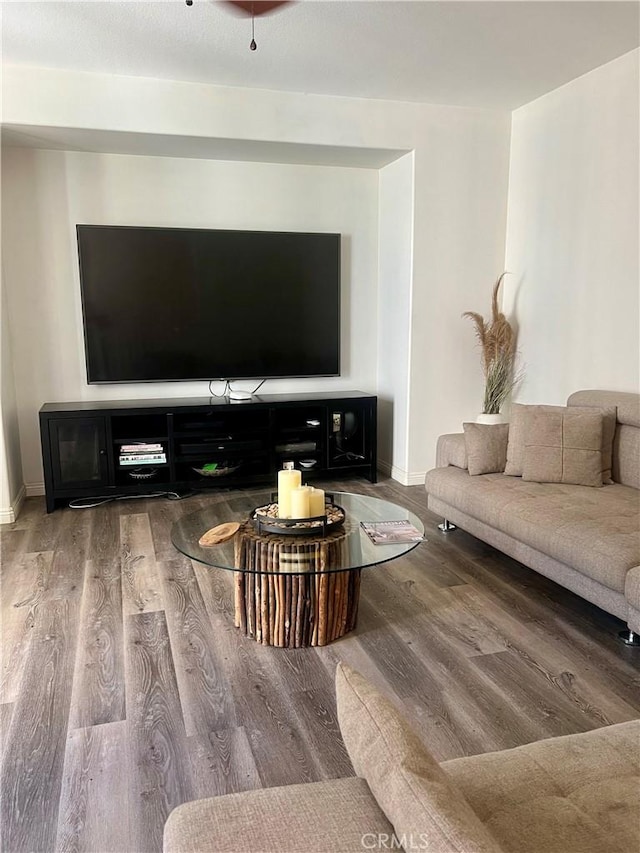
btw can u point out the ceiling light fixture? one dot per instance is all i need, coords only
(253, 45)
(255, 8)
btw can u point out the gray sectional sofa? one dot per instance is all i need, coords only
(571, 794)
(587, 539)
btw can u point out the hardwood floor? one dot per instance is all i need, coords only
(126, 689)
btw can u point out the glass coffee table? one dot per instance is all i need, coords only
(294, 591)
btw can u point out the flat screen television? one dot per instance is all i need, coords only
(163, 304)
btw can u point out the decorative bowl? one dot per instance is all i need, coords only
(307, 463)
(143, 473)
(266, 520)
(221, 471)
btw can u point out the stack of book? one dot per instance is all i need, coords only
(142, 454)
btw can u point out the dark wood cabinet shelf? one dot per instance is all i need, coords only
(218, 456)
(222, 436)
(143, 465)
(81, 441)
(148, 439)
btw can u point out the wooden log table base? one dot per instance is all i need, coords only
(306, 604)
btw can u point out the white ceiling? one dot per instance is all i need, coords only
(484, 54)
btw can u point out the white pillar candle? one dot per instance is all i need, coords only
(300, 502)
(316, 502)
(288, 480)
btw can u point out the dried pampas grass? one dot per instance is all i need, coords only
(498, 344)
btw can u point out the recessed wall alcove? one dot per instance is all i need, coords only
(407, 185)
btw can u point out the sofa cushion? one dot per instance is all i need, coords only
(626, 404)
(563, 447)
(593, 530)
(626, 446)
(573, 794)
(486, 446)
(626, 456)
(317, 817)
(518, 430)
(609, 424)
(407, 782)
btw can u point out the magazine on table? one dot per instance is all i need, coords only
(391, 532)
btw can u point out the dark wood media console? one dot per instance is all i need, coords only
(247, 440)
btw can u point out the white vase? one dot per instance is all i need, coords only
(490, 419)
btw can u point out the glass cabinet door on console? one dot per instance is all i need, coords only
(78, 452)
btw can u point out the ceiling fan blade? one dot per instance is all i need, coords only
(255, 8)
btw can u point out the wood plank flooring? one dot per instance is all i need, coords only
(126, 689)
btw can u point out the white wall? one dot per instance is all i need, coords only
(395, 267)
(572, 235)
(49, 192)
(459, 243)
(11, 477)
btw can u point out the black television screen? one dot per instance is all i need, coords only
(163, 304)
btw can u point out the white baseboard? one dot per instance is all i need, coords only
(416, 478)
(405, 478)
(34, 489)
(384, 468)
(9, 514)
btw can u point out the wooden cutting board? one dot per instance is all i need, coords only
(219, 533)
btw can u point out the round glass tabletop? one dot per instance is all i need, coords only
(250, 551)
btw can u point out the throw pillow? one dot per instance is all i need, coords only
(518, 426)
(411, 788)
(609, 421)
(486, 447)
(564, 447)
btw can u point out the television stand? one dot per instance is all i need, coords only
(204, 443)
